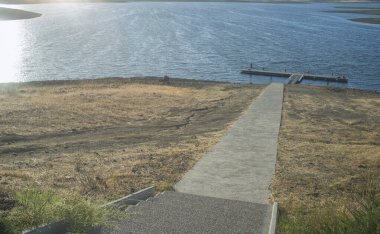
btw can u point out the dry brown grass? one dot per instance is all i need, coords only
(329, 143)
(111, 137)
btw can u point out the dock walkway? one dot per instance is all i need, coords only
(305, 76)
(295, 79)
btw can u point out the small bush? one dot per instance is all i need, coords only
(82, 215)
(33, 209)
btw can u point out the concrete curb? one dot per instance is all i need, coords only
(134, 198)
(273, 220)
(60, 226)
(56, 228)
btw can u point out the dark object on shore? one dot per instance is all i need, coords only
(165, 80)
(6, 201)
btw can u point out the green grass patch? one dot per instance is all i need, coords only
(34, 208)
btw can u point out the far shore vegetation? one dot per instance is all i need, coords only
(367, 20)
(361, 11)
(120, 1)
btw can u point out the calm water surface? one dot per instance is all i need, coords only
(212, 41)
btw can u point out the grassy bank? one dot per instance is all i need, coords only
(358, 214)
(110, 137)
(30, 208)
(328, 159)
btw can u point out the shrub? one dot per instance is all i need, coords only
(82, 215)
(33, 209)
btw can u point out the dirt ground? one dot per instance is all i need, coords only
(111, 137)
(329, 145)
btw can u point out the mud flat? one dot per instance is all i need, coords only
(111, 137)
(15, 14)
(361, 11)
(367, 20)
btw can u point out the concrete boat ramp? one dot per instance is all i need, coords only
(241, 166)
(227, 191)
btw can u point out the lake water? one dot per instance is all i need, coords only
(211, 41)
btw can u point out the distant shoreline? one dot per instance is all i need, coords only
(15, 14)
(367, 20)
(360, 10)
(241, 1)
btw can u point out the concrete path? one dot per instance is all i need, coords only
(173, 212)
(240, 167)
(227, 190)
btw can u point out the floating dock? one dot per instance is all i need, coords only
(294, 78)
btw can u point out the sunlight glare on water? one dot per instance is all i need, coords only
(10, 50)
